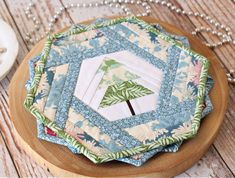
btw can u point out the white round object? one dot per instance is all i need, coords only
(9, 41)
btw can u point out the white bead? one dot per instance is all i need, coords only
(157, 1)
(219, 34)
(196, 14)
(224, 36)
(55, 17)
(90, 5)
(178, 11)
(120, 1)
(229, 39)
(183, 12)
(234, 42)
(84, 5)
(212, 21)
(214, 45)
(27, 38)
(36, 27)
(217, 24)
(208, 29)
(126, 9)
(144, 4)
(72, 5)
(50, 24)
(213, 32)
(173, 7)
(132, 1)
(144, 14)
(138, 2)
(26, 12)
(202, 15)
(147, 7)
(78, 5)
(202, 28)
(229, 33)
(31, 4)
(61, 8)
(148, 11)
(96, 4)
(208, 17)
(194, 33)
(168, 4)
(197, 30)
(58, 13)
(117, 5)
(224, 41)
(52, 20)
(66, 6)
(227, 29)
(126, 1)
(222, 26)
(163, 2)
(190, 13)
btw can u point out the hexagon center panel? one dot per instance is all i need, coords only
(118, 85)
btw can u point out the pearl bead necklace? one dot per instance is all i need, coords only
(225, 36)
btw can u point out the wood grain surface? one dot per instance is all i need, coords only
(219, 160)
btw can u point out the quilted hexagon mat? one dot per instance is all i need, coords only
(118, 89)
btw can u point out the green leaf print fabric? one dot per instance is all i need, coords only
(124, 91)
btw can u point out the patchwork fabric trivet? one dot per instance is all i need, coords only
(86, 76)
(46, 134)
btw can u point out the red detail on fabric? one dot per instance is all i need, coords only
(50, 132)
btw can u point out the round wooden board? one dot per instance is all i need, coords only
(62, 162)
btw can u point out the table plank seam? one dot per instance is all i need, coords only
(16, 167)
